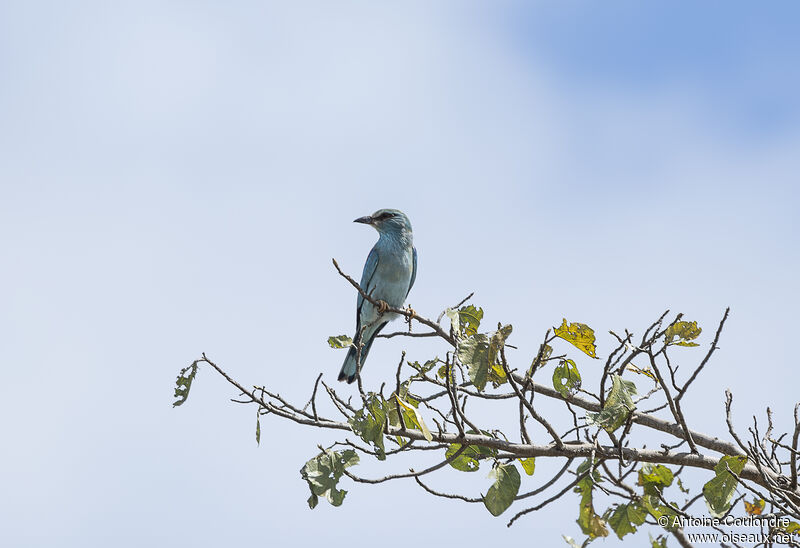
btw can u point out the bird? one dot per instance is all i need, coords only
(388, 276)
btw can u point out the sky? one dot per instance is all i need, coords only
(175, 178)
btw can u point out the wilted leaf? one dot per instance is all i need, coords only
(322, 473)
(473, 352)
(469, 459)
(626, 517)
(579, 334)
(369, 422)
(645, 372)
(497, 341)
(540, 359)
(258, 429)
(681, 333)
(719, 491)
(570, 541)
(755, 508)
(506, 486)
(455, 322)
(340, 341)
(529, 465)
(617, 407)
(184, 383)
(566, 378)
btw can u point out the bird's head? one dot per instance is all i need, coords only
(387, 221)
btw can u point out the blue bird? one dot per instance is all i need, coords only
(388, 276)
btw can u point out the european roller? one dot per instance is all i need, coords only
(388, 276)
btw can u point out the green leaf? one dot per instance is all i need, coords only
(473, 352)
(369, 423)
(442, 373)
(626, 517)
(681, 333)
(506, 486)
(340, 341)
(184, 383)
(719, 491)
(469, 319)
(659, 542)
(655, 474)
(529, 465)
(654, 478)
(322, 474)
(617, 407)
(579, 334)
(566, 378)
(469, 459)
(479, 353)
(681, 487)
(426, 367)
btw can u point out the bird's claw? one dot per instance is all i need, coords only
(383, 306)
(410, 316)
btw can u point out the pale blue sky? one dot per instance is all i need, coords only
(175, 177)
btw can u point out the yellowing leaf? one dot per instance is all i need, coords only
(579, 334)
(755, 508)
(681, 333)
(422, 426)
(340, 341)
(645, 372)
(470, 319)
(529, 465)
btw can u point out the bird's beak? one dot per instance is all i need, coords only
(365, 220)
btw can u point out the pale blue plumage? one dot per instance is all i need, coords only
(389, 274)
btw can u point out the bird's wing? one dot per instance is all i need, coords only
(370, 267)
(413, 271)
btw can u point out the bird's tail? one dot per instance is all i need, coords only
(349, 367)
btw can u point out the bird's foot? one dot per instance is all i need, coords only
(383, 306)
(410, 316)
